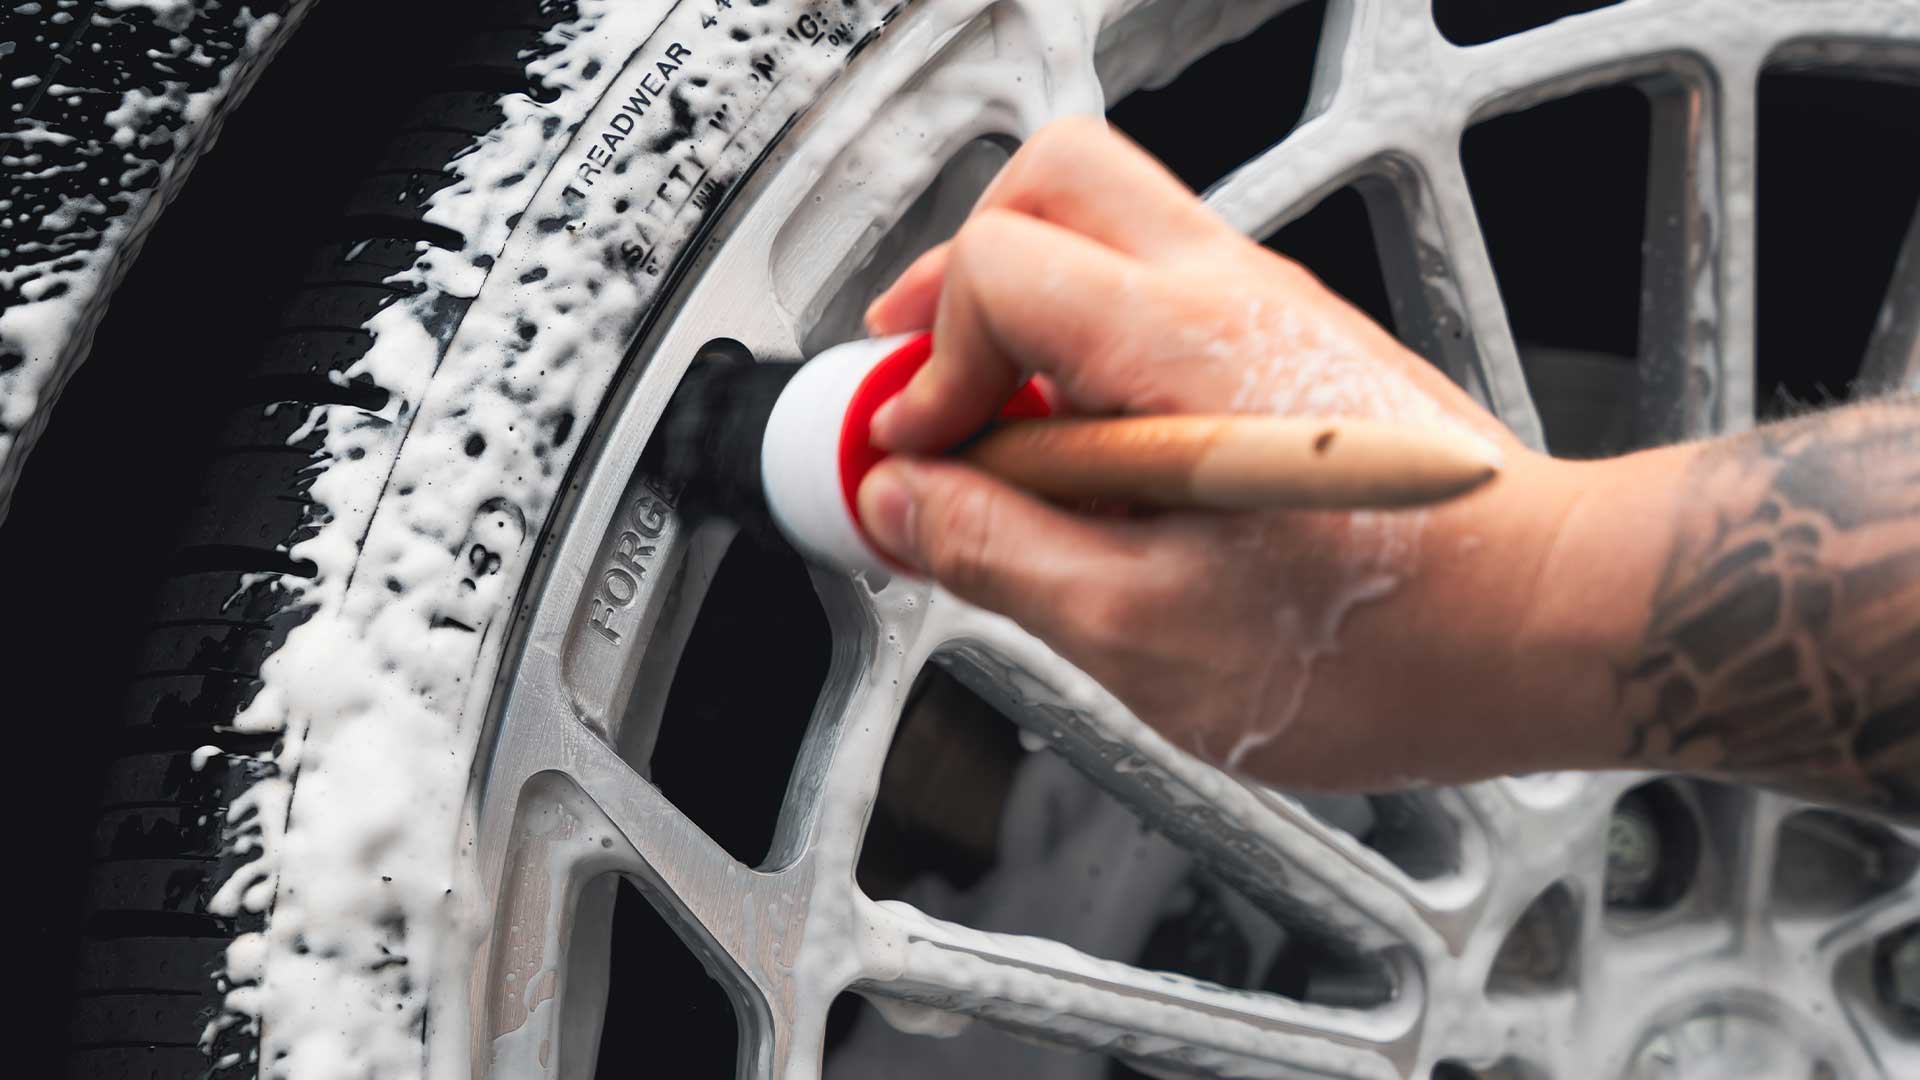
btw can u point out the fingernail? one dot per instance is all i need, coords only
(872, 318)
(880, 428)
(887, 507)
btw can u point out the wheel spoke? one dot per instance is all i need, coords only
(709, 897)
(1892, 363)
(581, 1000)
(680, 866)
(1150, 43)
(1833, 961)
(1272, 189)
(1044, 989)
(1309, 875)
(1862, 927)
(748, 924)
(1441, 281)
(1640, 38)
(1733, 255)
(837, 774)
(1610, 45)
(1753, 820)
(546, 962)
(1679, 305)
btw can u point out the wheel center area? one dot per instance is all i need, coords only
(1729, 1041)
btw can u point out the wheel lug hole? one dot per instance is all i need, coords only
(1653, 849)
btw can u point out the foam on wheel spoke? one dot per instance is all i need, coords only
(1680, 309)
(863, 1043)
(973, 829)
(1310, 876)
(1455, 273)
(1732, 254)
(1052, 992)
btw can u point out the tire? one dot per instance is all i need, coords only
(109, 110)
(172, 826)
(146, 977)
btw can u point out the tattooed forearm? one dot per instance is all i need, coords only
(1784, 642)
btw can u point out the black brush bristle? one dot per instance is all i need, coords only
(707, 445)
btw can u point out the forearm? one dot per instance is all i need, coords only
(1747, 608)
(1776, 627)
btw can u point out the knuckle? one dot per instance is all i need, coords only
(968, 249)
(1095, 616)
(982, 235)
(979, 252)
(1110, 617)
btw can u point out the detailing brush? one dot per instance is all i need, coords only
(789, 444)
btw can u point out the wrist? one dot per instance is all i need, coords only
(1522, 603)
(1599, 554)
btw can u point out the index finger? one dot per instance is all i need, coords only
(1021, 297)
(1085, 178)
(1082, 175)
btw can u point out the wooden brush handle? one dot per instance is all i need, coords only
(1235, 462)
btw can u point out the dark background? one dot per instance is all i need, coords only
(1560, 190)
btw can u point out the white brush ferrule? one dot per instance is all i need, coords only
(813, 438)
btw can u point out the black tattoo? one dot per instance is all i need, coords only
(1784, 643)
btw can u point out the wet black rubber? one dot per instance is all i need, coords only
(160, 840)
(67, 67)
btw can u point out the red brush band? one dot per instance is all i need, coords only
(891, 375)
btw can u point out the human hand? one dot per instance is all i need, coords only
(1331, 650)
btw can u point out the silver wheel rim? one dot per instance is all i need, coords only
(562, 801)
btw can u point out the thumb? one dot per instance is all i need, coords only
(986, 542)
